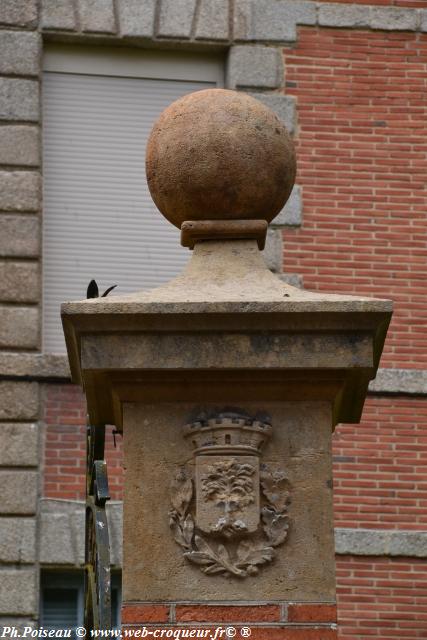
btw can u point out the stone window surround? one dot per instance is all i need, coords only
(256, 69)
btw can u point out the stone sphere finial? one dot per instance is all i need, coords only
(219, 155)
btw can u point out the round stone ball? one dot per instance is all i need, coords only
(219, 155)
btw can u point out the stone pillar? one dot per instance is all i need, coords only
(226, 383)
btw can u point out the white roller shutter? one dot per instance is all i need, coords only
(98, 218)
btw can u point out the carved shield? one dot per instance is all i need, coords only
(227, 494)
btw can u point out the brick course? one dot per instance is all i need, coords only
(284, 620)
(381, 598)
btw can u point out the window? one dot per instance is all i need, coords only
(99, 222)
(62, 600)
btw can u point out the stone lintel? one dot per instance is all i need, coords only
(254, 21)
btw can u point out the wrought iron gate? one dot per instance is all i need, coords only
(97, 544)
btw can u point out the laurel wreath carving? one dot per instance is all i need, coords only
(248, 554)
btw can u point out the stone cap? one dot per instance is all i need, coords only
(240, 322)
(216, 157)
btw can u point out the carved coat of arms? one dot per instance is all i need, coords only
(232, 514)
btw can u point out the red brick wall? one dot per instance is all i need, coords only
(279, 621)
(380, 466)
(362, 162)
(65, 446)
(381, 598)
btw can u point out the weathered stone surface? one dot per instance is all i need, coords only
(176, 18)
(115, 527)
(18, 592)
(304, 11)
(136, 17)
(408, 543)
(62, 532)
(255, 67)
(394, 19)
(19, 281)
(291, 214)
(235, 350)
(19, 235)
(20, 145)
(97, 16)
(20, 190)
(379, 542)
(303, 567)
(294, 279)
(18, 13)
(57, 537)
(20, 444)
(18, 400)
(58, 14)
(283, 106)
(338, 15)
(423, 17)
(213, 20)
(271, 20)
(36, 365)
(18, 540)
(400, 381)
(19, 99)
(20, 52)
(273, 252)
(19, 493)
(19, 327)
(255, 186)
